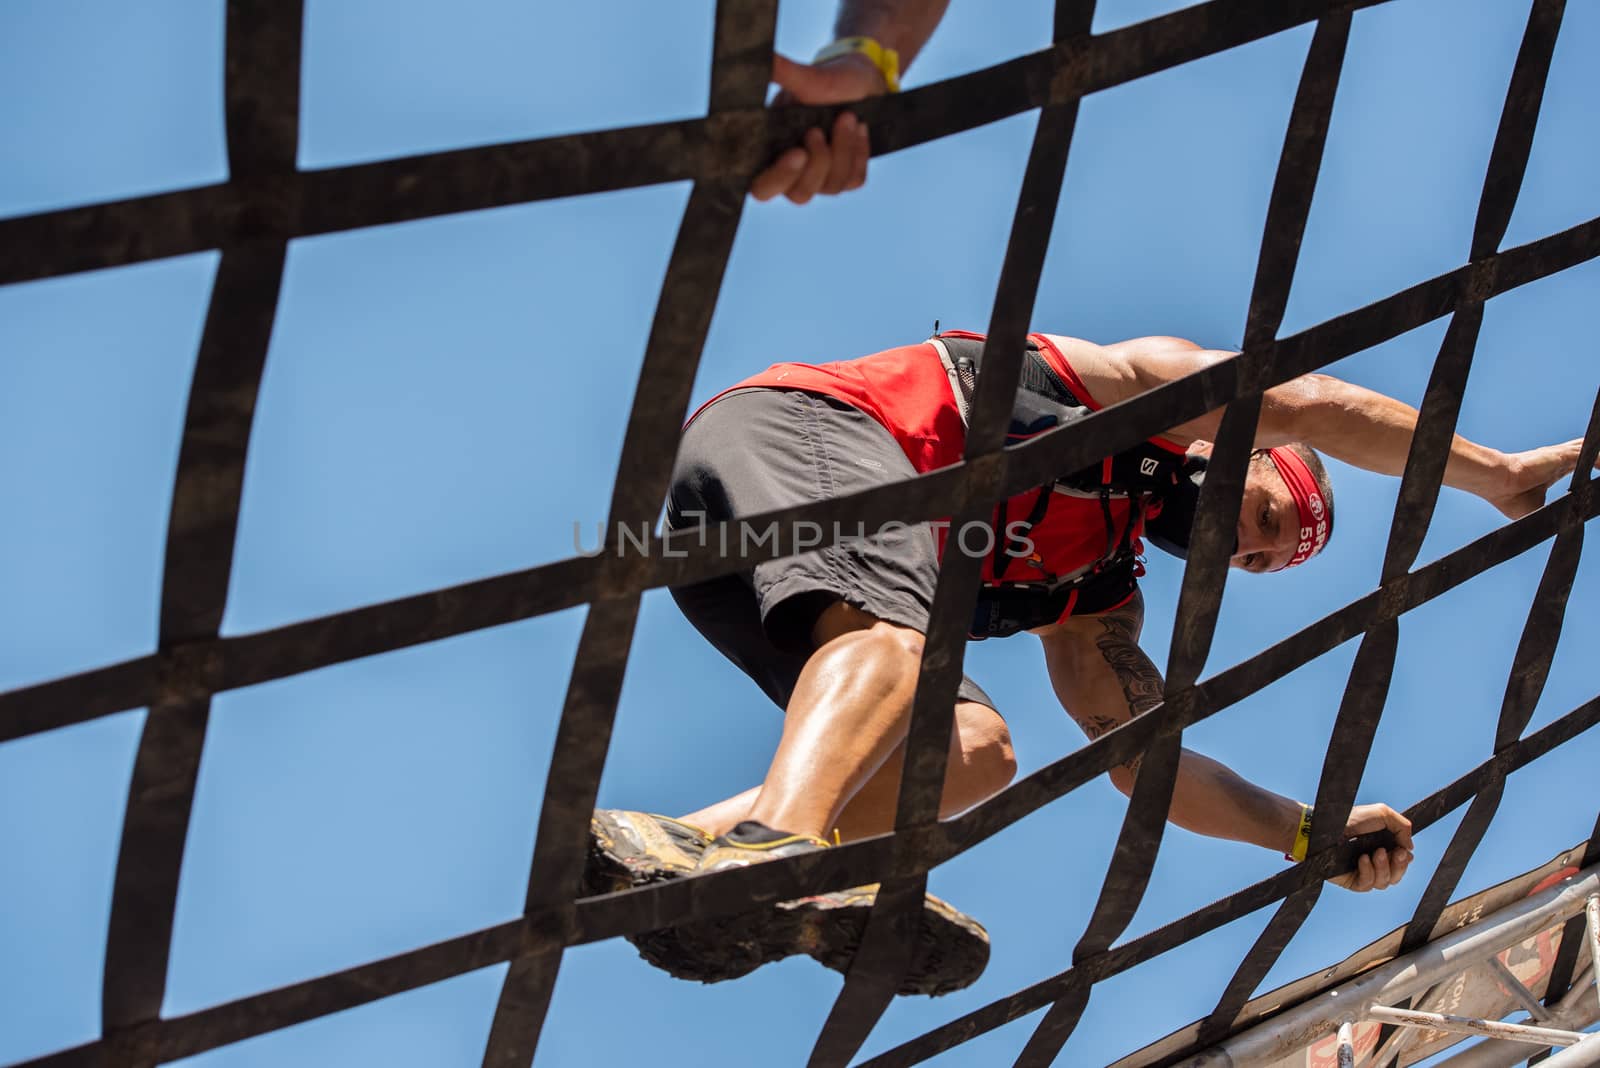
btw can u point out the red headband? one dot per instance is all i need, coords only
(1315, 522)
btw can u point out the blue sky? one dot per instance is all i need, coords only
(445, 399)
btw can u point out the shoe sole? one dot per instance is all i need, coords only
(951, 950)
(632, 849)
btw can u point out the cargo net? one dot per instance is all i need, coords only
(267, 203)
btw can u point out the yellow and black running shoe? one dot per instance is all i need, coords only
(753, 843)
(952, 948)
(629, 849)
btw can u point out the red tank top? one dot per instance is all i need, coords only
(907, 390)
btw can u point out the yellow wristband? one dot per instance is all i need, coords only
(1302, 836)
(887, 60)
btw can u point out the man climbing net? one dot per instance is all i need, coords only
(834, 636)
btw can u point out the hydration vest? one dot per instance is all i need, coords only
(1159, 485)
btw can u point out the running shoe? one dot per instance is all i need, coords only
(951, 952)
(629, 849)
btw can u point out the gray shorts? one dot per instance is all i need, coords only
(758, 450)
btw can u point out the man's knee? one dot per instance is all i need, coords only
(885, 638)
(986, 745)
(888, 653)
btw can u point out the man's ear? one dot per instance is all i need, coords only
(1199, 448)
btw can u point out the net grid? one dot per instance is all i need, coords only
(267, 202)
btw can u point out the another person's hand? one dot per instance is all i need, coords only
(1382, 868)
(1529, 476)
(822, 164)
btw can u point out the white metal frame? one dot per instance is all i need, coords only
(1370, 996)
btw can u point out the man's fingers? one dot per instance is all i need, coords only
(1562, 461)
(818, 166)
(1364, 875)
(1381, 872)
(780, 177)
(1378, 870)
(1365, 819)
(1400, 826)
(858, 175)
(844, 150)
(821, 165)
(815, 172)
(1576, 445)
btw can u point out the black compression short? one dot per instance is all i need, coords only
(758, 450)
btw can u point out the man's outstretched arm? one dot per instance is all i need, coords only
(1360, 426)
(1103, 679)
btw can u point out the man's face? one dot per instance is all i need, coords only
(1269, 529)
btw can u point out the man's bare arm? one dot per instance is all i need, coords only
(1103, 679)
(903, 25)
(1357, 425)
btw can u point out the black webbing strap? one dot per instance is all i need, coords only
(267, 203)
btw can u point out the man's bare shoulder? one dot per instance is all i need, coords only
(1159, 359)
(1107, 375)
(1124, 369)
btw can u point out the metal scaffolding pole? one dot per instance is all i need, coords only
(1585, 1054)
(1576, 1011)
(1468, 1025)
(1591, 909)
(1347, 1045)
(1407, 975)
(1522, 994)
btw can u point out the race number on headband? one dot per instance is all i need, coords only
(1315, 523)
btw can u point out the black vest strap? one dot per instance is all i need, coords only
(1007, 548)
(1144, 474)
(1043, 402)
(1006, 608)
